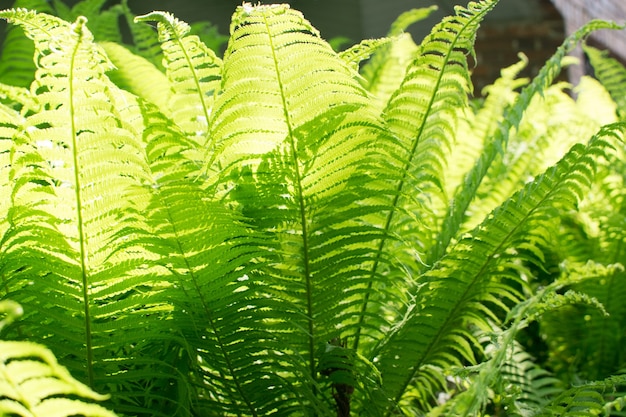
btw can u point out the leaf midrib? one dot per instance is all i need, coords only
(79, 212)
(301, 204)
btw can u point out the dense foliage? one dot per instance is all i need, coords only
(289, 230)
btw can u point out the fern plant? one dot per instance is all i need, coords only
(284, 231)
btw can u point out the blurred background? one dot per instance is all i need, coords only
(534, 27)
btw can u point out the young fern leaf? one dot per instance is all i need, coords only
(511, 119)
(194, 72)
(611, 74)
(421, 114)
(478, 274)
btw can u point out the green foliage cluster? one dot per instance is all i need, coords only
(293, 231)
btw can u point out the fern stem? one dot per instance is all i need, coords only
(301, 207)
(79, 214)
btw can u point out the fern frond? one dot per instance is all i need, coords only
(16, 60)
(33, 384)
(424, 119)
(586, 399)
(476, 128)
(552, 123)
(383, 74)
(510, 379)
(222, 311)
(293, 131)
(511, 119)
(81, 172)
(421, 115)
(194, 72)
(611, 74)
(479, 272)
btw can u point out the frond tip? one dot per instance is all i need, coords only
(32, 383)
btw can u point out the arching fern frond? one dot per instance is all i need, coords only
(69, 260)
(509, 378)
(588, 399)
(511, 119)
(479, 272)
(421, 115)
(208, 250)
(611, 73)
(194, 72)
